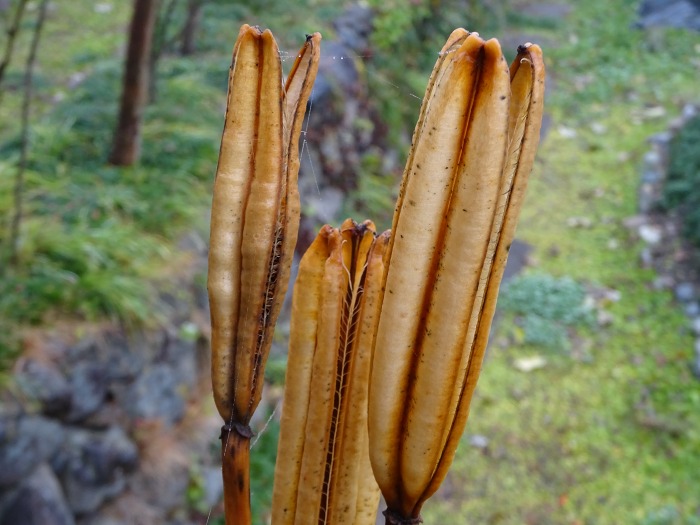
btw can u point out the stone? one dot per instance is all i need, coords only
(155, 395)
(181, 353)
(695, 325)
(605, 318)
(126, 509)
(579, 222)
(327, 204)
(684, 292)
(663, 138)
(479, 441)
(111, 351)
(566, 132)
(646, 257)
(695, 363)
(692, 309)
(528, 364)
(25, 441)
(662, 282)
(650, 233)
(44, 384)
(518, 259)
(92, 466)
(684, 14)
(38, 501)
(213, 485)
(89, 389)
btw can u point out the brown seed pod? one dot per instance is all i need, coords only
(323, 473)
(461, 193)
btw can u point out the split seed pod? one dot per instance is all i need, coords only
(473, 150)
(323, 474)
(255, 214)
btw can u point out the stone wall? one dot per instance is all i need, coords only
(674, 260)
(106, 428)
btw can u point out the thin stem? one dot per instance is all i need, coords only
(24, 141)
(235, 460)
(12, 32)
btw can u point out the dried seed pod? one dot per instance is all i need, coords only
(254, 225)
(255, 213)
(322, 473)
(454, 221)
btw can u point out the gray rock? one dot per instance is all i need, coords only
(38, 501)
(605, 318)
(155, 395)
(695, 363)
(663, 138)
(163, 481)
(89, 385)
(684, 292)
(181, 354)
(213, 485)
(650, 234)
(112, 352)
(518, 256)
(44, 384)
(662, 282)
(692, 309)
(92, 467)
(479, 441)
(684, 14)
(25, 441)
(695, 325)
(646, 257)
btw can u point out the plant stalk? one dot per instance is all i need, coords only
(235, 461)
(394, 518)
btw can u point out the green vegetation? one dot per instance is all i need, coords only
(682, 188)
(546, 307)
(613, 438)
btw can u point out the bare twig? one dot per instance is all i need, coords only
(11, 36)
(160, 44)
(194, 14)
(24, 139)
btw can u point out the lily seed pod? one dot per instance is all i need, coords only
(323, 474)
(254, 224)
(473, 150)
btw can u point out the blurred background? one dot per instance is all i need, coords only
(588, 409)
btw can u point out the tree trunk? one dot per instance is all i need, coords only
(127, 138)
(189, 30)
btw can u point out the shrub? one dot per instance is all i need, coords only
(682, 188)
(546, 308)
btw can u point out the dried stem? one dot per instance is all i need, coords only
(235, 460)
